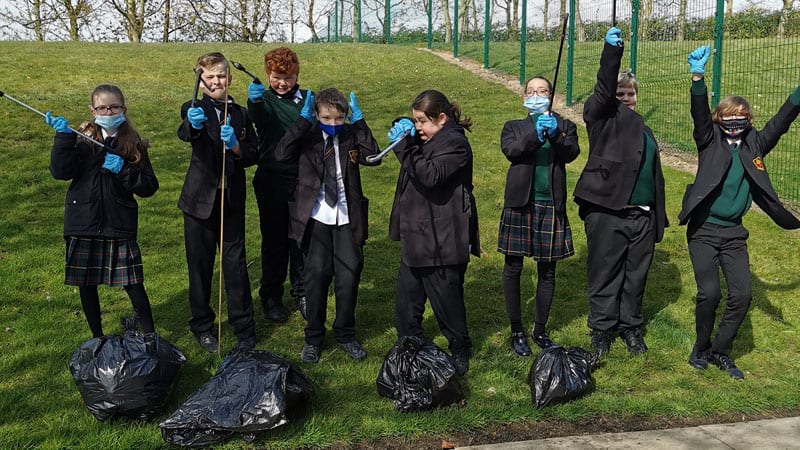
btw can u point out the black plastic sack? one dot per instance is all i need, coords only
(252, 391)
(417, 375)
(125, 376)
(559, 375)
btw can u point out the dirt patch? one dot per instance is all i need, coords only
(677, 160)
(524, 431)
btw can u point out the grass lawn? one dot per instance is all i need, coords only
(41, 322)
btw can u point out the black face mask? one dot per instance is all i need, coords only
(735, 127)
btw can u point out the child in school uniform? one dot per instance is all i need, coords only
(100, 212)
(621, 199)
(273, 109)
(329, 211)
(435, 219)
(214, 135)
(731, 174)
(534, 221)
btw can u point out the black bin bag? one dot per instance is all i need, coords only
(252, 391)
(417, 375)
(126, 376)
(559, 375)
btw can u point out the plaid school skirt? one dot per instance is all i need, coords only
(535, 231)
(115, 262)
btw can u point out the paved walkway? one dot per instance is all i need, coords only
(761, 434)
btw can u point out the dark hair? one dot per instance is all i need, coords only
(549, 84)
(331, 97)
(282, 60)
(130, 145)
(433, 103)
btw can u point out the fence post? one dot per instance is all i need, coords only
(487, 28)
(719, 30)
(455, 29)
(430, 24)
(336, 20)
(358, 18)
(570, 51)
(634, 34)
(523, 38)
(329, 30)
(388, 21)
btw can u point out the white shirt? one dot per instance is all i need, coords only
(336, 214)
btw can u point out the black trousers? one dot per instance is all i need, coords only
(620, 246)
(277, 249)
(201, 240)
(444, 286)
(331, 254)
(711, 248)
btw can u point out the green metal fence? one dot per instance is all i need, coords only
(756, 55)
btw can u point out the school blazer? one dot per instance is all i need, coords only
(205, 166)
(714, 160)
(99, 203)
(616, 148)
(519, 144)
(303, 143)
(434, 214)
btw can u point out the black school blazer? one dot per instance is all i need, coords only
(714, 160)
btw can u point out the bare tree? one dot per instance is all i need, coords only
(165, 25)
(580, 33)
(681, 21)
(29, 15)
(785, 11)
(545, 13)
(134, 15)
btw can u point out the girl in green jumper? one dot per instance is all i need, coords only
(730, 175)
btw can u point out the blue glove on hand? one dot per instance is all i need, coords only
(255, 91)
(113, 163)
(614, 37)
(308, 107)
(196, 117)
(228, 136)
(698, 59)
(400, 128)
(355, 111)
(58, 123)
(546, 123)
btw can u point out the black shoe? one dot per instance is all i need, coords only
(310, 353)
(634, 340)
(601, 341)
(354, 349)
(699, 360)
(461, 361)
(208, 342)
(301, 306)
(273, 310)
(246, 344)
(542, 340)
(724, 362)
(519, 343)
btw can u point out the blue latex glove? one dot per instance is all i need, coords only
(113, 163)
(308, 107)
(228, 135)
(255, 91)
(400, 128)
(58, 123)
(614, 37)
(355, 111)
(698, 59)
(196, 117)
(546, 123)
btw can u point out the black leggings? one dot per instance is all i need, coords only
(545, 287)
(90, 301)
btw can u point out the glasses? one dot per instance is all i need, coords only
(113, 109)
(540, 92)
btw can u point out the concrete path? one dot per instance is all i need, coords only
(772, 434)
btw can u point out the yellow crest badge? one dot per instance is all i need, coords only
(353, 156)
(758, 163)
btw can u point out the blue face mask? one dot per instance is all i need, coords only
(110, 123)
(537, 105)
(331, 130)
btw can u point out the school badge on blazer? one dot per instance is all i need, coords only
(354, 156)
(758, 163)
